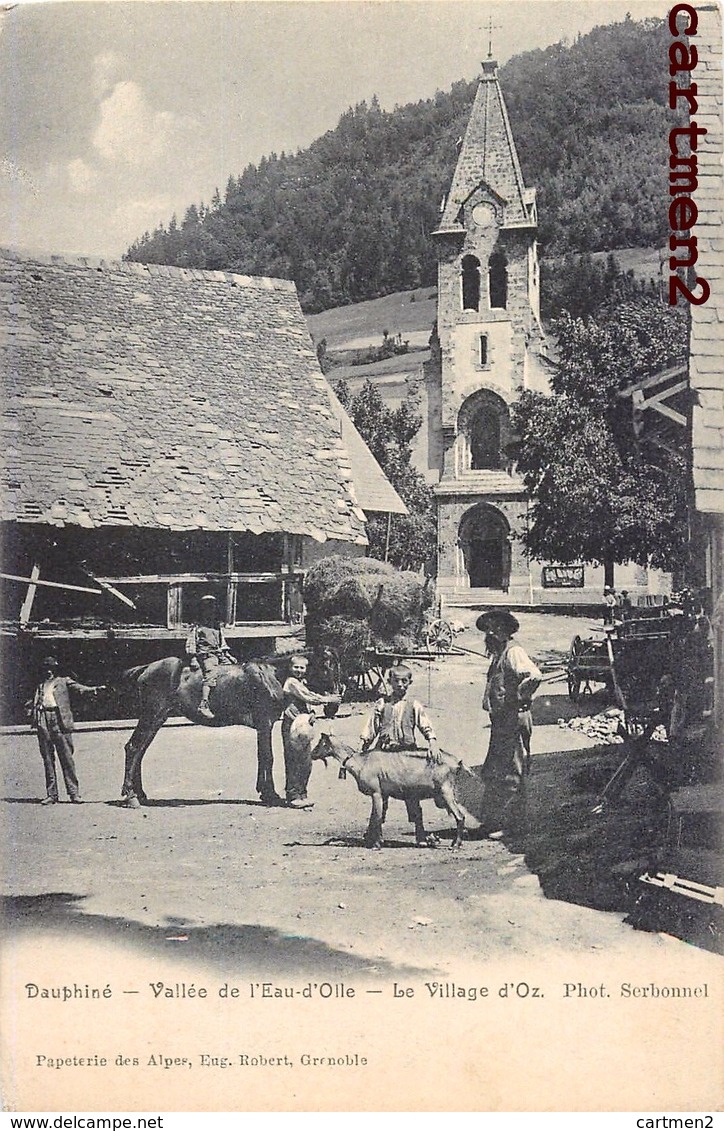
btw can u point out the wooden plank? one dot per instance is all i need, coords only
(173, 606)
(230, 603)
(51, 584)
(110, 589)
(186, 578)
(653, 380)
(664, 410)
(30, 595)
(666, 393)
(250, 630)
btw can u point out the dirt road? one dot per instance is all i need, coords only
(205, 854)
(205, 883)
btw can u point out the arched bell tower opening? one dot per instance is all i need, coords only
(498, 280)
(470, 282)
(484, 540)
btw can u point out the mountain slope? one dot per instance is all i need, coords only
(350, 217)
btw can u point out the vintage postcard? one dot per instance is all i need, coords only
(362, 557)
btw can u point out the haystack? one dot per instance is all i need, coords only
(356, 604)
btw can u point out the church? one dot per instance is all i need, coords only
(488, 346)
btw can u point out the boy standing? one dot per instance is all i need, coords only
(396, 720)
(297, 736)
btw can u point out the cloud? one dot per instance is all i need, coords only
(82, 177)
(131, 132)
(107, 69)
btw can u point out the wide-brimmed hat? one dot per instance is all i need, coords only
(50, 662)
(497, 620)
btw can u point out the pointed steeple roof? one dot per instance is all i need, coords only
(488, 156)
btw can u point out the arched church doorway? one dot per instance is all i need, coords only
(485, 544)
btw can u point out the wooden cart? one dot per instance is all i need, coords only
(588, 662)
(370, 676)
(661, 675)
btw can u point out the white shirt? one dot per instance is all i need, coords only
(49, 701)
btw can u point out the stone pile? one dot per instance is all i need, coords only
(606, 729)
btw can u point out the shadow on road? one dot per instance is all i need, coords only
(258, 951)
(596, 860)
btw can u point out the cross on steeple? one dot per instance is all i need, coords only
(490, 29)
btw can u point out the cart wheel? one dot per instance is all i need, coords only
(574, 681)
(439, 636)
(371, 680)
(576, 648)
(378, 682)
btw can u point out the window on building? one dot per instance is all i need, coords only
(483, 349)
(498, 280)
(485, 440)
(471, 283)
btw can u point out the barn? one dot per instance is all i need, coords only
(167, 433)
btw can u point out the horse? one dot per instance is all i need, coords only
(248, 695)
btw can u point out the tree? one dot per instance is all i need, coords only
(389, 434)
(350, 217)
(580, 285)
(600, 494)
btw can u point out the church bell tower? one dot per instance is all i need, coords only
(489, 348)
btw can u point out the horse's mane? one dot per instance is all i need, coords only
(267, 677)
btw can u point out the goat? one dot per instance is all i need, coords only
(405, 775)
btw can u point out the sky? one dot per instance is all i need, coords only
(116, 115)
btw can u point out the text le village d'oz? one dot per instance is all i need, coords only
(166, 992)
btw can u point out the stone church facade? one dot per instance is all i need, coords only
(489, 345)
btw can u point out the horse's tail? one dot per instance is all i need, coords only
(265, 675)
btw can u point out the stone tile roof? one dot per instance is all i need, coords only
(374, 490)
(488, 156)
(154, 396)
(706, 366)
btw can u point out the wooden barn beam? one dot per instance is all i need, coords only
(27, 604)
(51, 584)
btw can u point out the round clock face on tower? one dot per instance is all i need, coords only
(483, 215)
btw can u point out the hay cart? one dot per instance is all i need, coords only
(370, 675)
(366, 615)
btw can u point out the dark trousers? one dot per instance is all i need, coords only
(297, 763)
(53, 740)
(506, 767)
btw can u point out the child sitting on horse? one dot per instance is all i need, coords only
(207, 648)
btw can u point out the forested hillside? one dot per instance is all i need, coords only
(350, 217)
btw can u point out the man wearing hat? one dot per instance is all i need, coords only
(53, 722)
(207, 648)
(512, 681)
